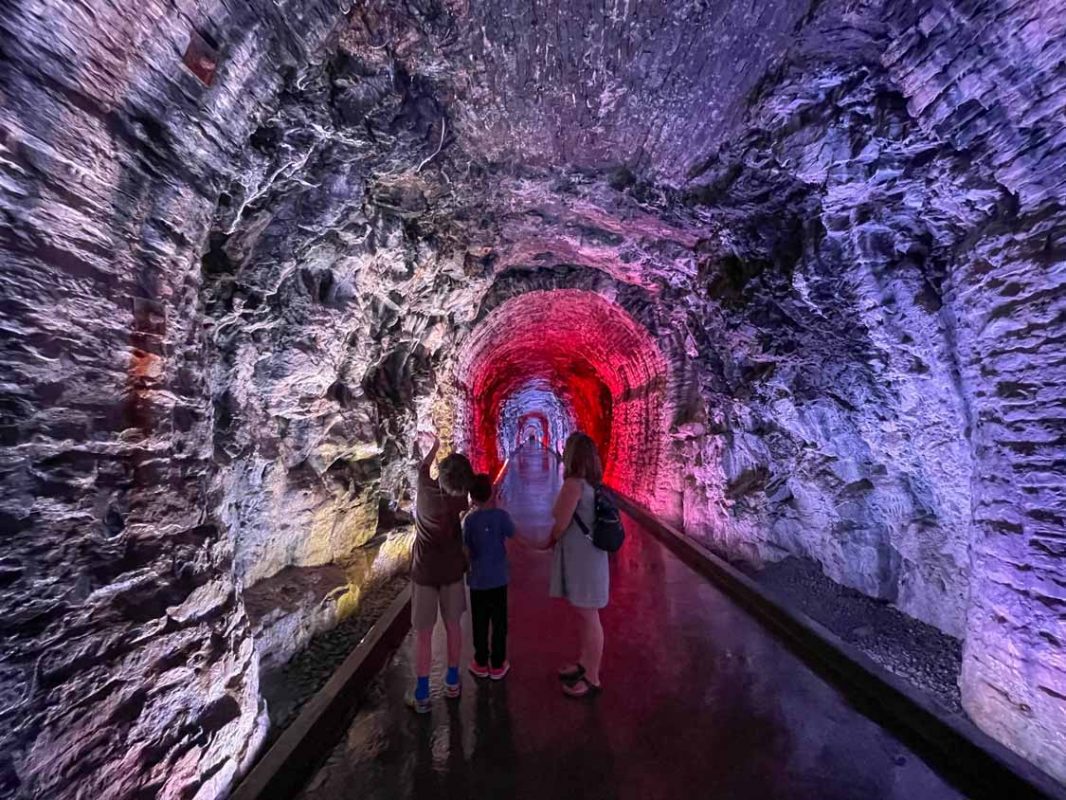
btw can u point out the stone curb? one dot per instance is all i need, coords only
(288, 763)
(969, 758)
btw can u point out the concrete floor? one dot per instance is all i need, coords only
(699, 701)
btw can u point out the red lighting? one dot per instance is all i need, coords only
(201, 57)
(602, 364)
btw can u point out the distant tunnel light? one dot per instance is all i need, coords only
(534, 427)
(532, 407)
(201, 57)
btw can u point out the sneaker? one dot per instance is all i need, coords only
(477, 670)
(416, 705)
(500, 672)
(453, 690)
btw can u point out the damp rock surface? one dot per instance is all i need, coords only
(128, 665)
(288, 686)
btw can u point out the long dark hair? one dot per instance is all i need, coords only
(581, 459)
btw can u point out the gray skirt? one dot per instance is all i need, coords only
(580, 570)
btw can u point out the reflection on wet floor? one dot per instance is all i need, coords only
(699, 700)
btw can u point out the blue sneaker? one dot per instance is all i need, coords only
(417, 705)
(452, 683)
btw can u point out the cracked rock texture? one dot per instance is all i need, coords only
(128, 666)
(799, 267)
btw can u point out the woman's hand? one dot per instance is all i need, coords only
(533, 544)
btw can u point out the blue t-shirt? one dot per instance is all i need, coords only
(484, 531)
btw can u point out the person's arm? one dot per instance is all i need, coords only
(466, 539)
(565, 506)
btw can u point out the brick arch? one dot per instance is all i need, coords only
(603, 364)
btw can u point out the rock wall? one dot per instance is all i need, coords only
(837, 423)
(332, 281)
(891, 307)
(127, 667)
(985, 80)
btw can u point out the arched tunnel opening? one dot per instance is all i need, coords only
(534, 428)
(570, 360)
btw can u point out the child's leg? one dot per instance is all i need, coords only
(423, 652)
(499, 626)
(424, 601)
(455, 644)
(452, 606)
(591, 642)
(480, 615)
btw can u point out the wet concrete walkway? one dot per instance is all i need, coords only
(699, 701)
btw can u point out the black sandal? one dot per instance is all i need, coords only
(582, 687)
(575, 673)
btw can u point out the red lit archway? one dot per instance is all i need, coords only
(604, 367)
(534, 423)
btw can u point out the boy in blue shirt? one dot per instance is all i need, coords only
(485, 530)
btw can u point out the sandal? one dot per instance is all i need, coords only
(571, 672)
(582, 687)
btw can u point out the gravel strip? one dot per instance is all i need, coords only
(929, 659)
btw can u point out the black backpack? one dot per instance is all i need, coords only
(607, 532)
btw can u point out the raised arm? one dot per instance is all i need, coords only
(565, 506)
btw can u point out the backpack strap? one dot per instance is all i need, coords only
(580, 522)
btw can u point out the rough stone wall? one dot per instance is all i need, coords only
(127, 667)
(333, 279)
(836, 426)
(1011, 298)
(550, 83)
(985, 79)
(879, 353)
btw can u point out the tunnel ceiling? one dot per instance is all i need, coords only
(810, 252)
(591, 86)
(520, 134)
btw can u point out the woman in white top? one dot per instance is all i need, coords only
(580, 571)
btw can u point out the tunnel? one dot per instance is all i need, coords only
(533, 428)
(795, 266)
(571, 360)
